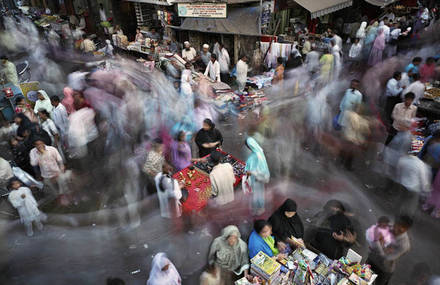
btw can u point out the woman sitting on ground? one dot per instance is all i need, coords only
(287, 225)
(261, 239)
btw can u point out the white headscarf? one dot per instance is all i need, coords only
(43, 104)
(360, 34)
(159, 277)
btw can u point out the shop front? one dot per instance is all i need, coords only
(238, 30)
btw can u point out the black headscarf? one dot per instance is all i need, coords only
(204, 136)
(284, 227)
(25, 124)
(324, 240)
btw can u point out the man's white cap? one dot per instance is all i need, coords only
(206, 46)
(186, 43)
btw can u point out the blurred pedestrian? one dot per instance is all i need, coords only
(222, 180)
(384, 259)
(169, 193)
(163, 271)
(257, 175)
(22, 199)
(378, 48)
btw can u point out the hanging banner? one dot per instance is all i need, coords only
(202, 10)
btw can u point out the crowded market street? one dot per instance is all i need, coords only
(186, 143)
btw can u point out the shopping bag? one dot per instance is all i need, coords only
(245, 185)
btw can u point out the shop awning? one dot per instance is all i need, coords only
(380, 3)
(319, 8)
(239, 21)
(156, 2)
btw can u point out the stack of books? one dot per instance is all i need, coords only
(266, 268)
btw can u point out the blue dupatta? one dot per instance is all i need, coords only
(257, 244)
(256, 163)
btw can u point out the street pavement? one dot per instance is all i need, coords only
(88, 252)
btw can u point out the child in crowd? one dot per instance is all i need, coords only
(381, 231)
(22, 199)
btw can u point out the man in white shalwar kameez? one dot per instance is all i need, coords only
(242, 70)
(222, 180)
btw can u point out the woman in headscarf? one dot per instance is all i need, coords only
(230, 254)
(68, 100)
(23, 123)
(261, 239)
(43, 102)
(369, 39)
(361, 33)
(208, 138)
(286, 224)
(257, 174)
(334, 241)
(377, 50)
(180, 152)
(163, 271)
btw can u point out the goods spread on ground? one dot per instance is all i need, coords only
(303, 266)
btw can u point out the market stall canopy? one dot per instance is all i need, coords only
(319, 8)
(381, 3)
(239, 21)
(156, 2)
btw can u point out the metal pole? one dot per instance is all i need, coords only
(261, 15)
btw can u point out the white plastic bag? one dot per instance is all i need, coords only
(26, 178)
(245, 185)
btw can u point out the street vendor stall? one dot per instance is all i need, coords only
(197, 183)
(8, 94)
(306, 267)
(429, 106)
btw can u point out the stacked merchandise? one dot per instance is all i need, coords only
(260, 81)
(266, 268)
(249, 101)
(199, 188)
(304, 267)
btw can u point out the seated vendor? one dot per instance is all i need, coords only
(333, 242)
(139, 37)
(286, 224)
(261, 239)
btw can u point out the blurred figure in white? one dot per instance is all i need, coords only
(22, 199)
(222, 180)
(312, 61)
(224, 61)
(415, 177)
(163, 271)
(417, 87)
(9, 71)
(5, 173)
(242, 70)
(169, 193)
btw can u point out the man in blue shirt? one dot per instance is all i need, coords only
(414, 65)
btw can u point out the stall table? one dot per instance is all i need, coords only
(7, 105)
(196, 180)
